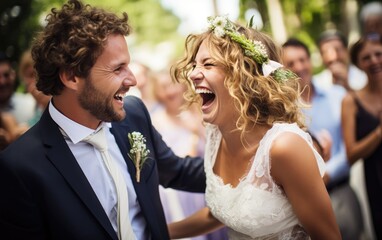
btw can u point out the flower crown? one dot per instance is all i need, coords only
(222, 26)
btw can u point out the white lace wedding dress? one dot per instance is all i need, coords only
(257, 207)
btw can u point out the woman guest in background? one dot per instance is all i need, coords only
(362, 123)
(250, 104)
(28, 76)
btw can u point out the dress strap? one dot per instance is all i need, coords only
(361, 110)
(356, 99)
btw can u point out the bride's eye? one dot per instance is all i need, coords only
(209, 64)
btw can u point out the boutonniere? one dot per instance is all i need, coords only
(138, 152)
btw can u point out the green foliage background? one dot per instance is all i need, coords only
(153, 24)
(150, 22)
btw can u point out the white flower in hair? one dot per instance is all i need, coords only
(218, 25)
(260, 48)
(219, 32)
(220, 21)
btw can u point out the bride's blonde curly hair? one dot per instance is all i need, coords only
(259, 99)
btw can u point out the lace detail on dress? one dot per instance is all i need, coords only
(294, 233)
(256, 208)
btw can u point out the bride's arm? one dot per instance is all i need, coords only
(199, 223)
(295, 169)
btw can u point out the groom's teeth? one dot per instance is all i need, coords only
(119, 97)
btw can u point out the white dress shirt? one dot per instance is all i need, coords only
(91, 163)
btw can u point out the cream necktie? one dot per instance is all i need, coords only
(125, 231)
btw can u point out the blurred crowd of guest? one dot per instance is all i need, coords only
(19, 109)
(344, 115)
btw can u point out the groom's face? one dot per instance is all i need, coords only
(108, 82)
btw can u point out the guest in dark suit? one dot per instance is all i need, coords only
(54, 185)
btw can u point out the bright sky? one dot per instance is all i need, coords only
(194, 13)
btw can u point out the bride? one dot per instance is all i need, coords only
(264, 177)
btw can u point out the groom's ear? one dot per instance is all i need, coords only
(70, 80)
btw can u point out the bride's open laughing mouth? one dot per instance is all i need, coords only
(207, 96)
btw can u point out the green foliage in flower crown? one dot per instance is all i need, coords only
(282, 74)
(250, 23)
(251, 49)
(222, 26)
(255, 49)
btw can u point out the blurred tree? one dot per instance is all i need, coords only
(12, 16)
(20, 19)
(306, 19)
(152, 24)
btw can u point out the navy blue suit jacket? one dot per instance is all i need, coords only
(45, 194)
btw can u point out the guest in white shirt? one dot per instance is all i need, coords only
(336, 60)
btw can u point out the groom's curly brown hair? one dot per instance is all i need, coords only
(72, 40)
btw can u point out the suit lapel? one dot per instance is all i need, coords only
(142, 189)
(120, 131)
(62, 158)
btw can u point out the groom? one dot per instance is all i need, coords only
(54, 184)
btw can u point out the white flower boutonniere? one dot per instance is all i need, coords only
(138, 152)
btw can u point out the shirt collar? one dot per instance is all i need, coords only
(75, 131)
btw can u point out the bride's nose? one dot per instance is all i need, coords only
(196, 74)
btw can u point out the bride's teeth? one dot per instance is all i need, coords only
(202, 90)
